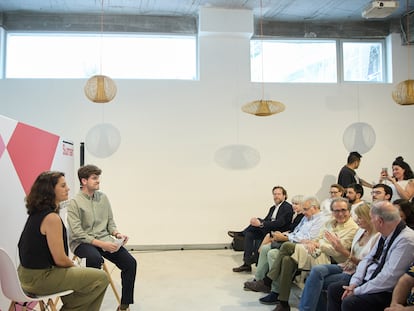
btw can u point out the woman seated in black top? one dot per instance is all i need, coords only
(45, 267)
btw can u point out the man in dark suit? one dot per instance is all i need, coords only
(278, 218)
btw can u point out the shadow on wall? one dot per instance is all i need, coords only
(237, 157)
(323, 191)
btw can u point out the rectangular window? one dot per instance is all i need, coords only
(363, 61)
(317, 61)
(61, 55)
(293, 61)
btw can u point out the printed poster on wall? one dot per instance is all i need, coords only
(25, 152)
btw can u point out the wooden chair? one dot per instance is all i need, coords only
(12, 289)
(111, 282)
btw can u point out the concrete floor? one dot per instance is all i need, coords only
(200, 280)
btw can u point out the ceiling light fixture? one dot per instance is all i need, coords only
(100, 88)
(263, 107)
(403, 93)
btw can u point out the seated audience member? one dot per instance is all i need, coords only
(276, 237)
(403, 294)
(297, 206)
(354, 194)
(381, 192)
(347, 174)
(401, 181)
(321, 276)
(341, 228)
(93, 232)
(45, 267)
(278, 218)
(406, 209)
(335, 191)
(308, 228)
(370, 287)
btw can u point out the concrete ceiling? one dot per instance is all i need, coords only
(325, 15)
(275, 10)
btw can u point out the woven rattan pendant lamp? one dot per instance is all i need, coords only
(403, 93)
(263, 107)
(100, 88)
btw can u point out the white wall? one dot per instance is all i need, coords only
(163, 183)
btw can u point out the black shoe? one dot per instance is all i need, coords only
(257, 286)
(280, 307)
(270, 299)
(233, 233)
(243, 268)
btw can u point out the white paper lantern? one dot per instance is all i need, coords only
(359, 137)
(103, 140)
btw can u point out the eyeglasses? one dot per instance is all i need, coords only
(337, 211)
(376, 192)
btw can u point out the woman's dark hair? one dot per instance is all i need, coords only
(408, 210)
(408, 172)
(42, 193)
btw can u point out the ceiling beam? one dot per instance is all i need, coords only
(343, 30)
(48, 22)
(93, 22)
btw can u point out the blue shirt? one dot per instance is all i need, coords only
(307, 229)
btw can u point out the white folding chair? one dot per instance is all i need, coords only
(12, 289)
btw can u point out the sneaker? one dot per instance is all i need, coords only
(270, 299)
(257, 286)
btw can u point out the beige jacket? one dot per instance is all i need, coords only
(345, 232)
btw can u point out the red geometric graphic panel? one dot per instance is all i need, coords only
(31, 151)
(2, 146)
